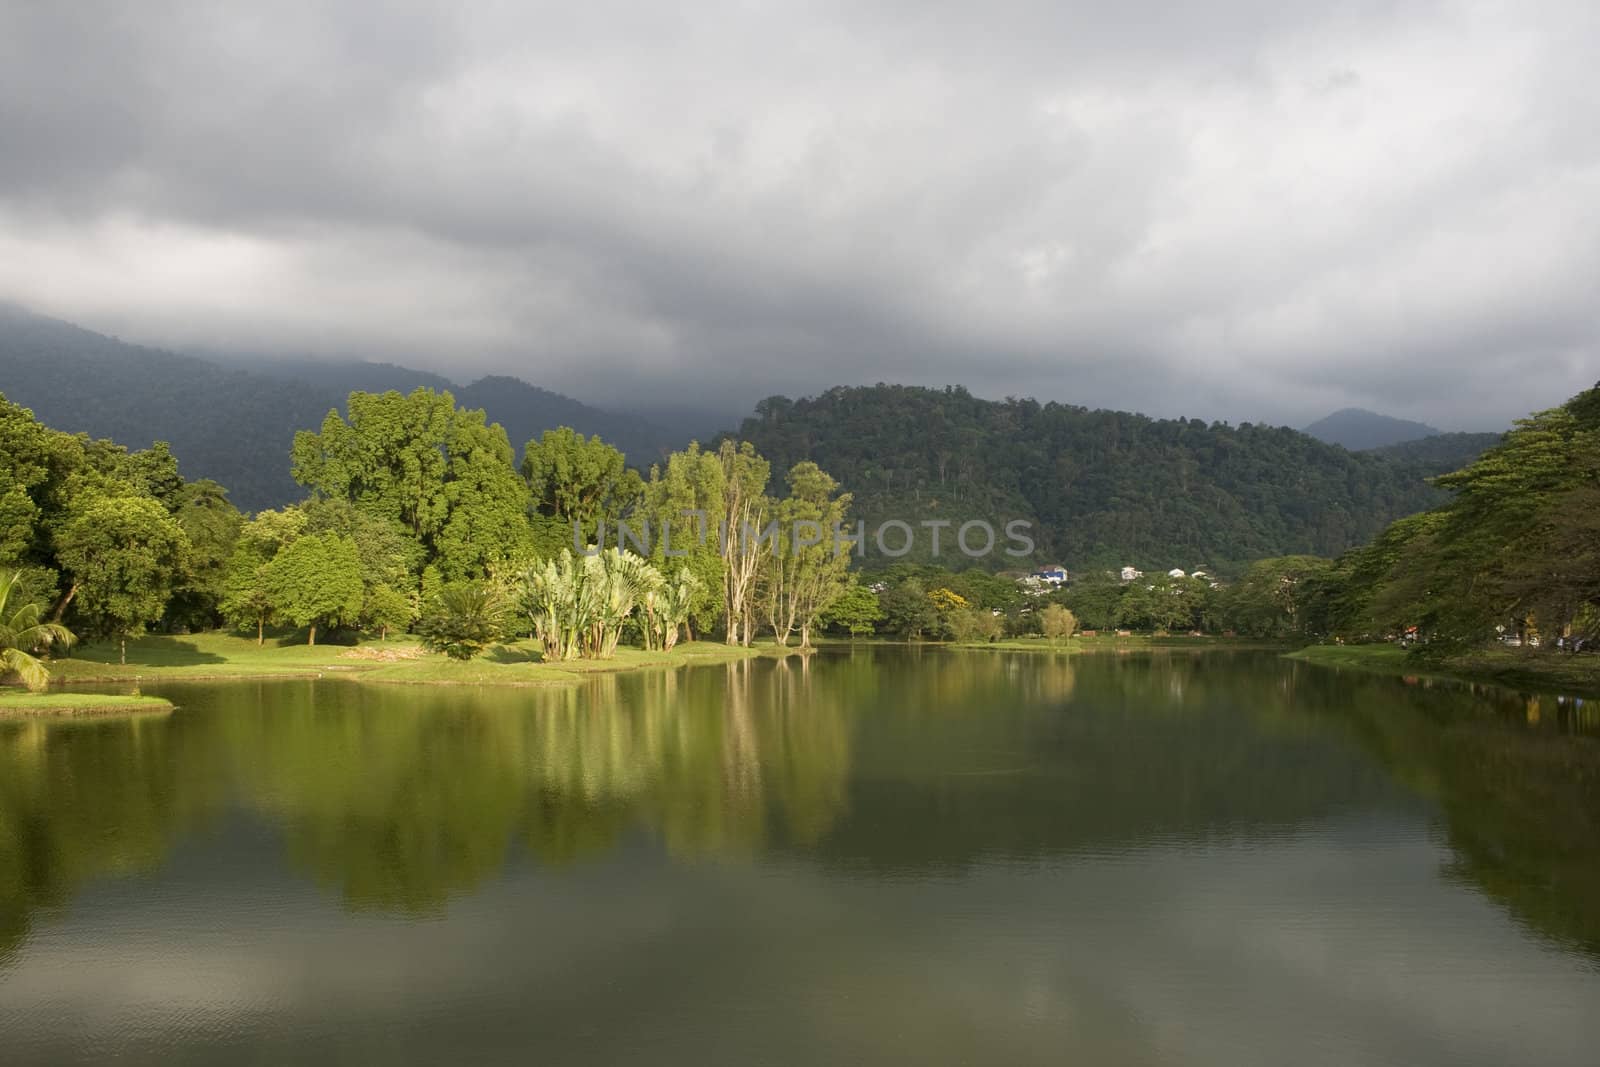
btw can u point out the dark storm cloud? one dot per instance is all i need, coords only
(1243, 210)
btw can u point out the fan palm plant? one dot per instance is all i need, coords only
(674, 603)
(24, 634)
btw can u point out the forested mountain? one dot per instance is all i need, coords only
(1358, 429)
(1104, 487)
(224, 424)
(1441, 453)
(235, 424)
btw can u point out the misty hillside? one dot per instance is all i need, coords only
(524, 410)
(222, 423)
(235, 425)
(1358, 429)
(1105, 487)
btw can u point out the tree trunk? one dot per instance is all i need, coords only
(123, 653)
(261, 631)
(61, 605)
(311, 638)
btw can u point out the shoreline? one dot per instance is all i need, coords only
(215, 657)
(1541, 671)
(1077, 646)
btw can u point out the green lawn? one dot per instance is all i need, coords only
(21, 703)
(226, 656)
(1525, 668)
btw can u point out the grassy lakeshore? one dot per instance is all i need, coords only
(23, 704)
(1078, 644)
(1521, 668)
(223, 656)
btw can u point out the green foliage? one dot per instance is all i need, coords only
(1518, 547)
(907, 611)
(1096, 600)
(682, 502)
(211, 523)
(464, 620)
(1056, 622)
(1105, 487)
(577, 479)
(1280, 598)
(384, 609)
(973, 624)
(126, 555)
(578, 605)
(442, 475)
(1162, 603)
(24, 633)
(855, 611)
(315, 581)
(808, 571)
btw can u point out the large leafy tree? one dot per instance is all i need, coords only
(315, 581)
(1279, 598)
(1519, 546)
(487, 523)
(579, 480)
(808, 570)
(854, 611)
(683, 503)
(442, 474)
(247, 591)
(124, 556)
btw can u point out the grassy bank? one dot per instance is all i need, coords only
(222, 656)
(1078, 644)
(23, 704)
(1518, 668)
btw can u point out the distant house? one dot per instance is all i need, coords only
(1055, 574)
(1176, 572)
(1130, 573)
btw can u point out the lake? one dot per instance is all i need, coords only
(867, 856)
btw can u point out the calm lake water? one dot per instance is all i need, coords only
(869, 857)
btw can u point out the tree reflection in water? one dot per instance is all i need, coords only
(401, 799)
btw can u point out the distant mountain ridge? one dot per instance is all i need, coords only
(235, 423)
(1359, 429)
(1103, 488)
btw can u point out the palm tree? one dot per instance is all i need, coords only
(23, 634)
(467, 619)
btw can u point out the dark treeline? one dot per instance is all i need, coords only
(415, 514)
(412, 499)
(1105, 487)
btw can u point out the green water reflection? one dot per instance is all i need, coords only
(877, 764)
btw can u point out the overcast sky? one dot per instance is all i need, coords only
(1245, 209)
